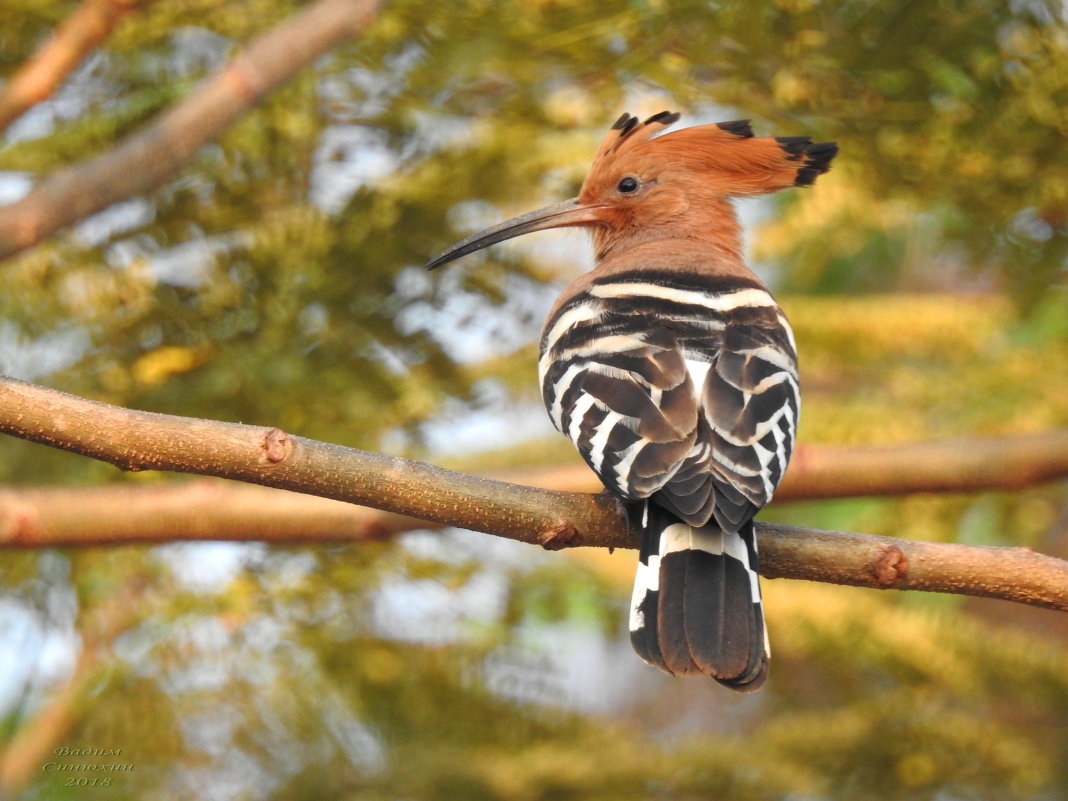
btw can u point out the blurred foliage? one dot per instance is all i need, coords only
(290, 681)
(278, 281)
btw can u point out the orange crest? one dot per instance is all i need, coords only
(724, 155)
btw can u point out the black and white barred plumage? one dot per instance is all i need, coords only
(680, 390)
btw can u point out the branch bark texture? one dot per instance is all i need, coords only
(267, 456)
(146, 159)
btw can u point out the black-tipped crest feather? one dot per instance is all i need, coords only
(741, 128)
(817, 161)
(816, 156)
(664, 117)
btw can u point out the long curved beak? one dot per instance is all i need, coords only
(559, 215)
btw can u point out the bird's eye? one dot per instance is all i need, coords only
(628, 185)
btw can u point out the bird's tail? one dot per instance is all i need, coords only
(696, 607)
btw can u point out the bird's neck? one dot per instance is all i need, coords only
(682, 256)
(686, 254)
(709, 231)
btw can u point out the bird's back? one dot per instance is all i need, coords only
(675, 380)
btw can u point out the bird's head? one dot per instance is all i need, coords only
(644, 187)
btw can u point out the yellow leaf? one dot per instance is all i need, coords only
(158, 365)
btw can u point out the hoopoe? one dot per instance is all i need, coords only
(674, 372)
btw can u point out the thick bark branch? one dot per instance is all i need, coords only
(60, 55)
(143, 440)
(146, 159)
(133, 440)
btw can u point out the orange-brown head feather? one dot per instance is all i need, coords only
(644, 188)
(678, 185)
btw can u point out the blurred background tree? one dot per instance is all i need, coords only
(277, 281)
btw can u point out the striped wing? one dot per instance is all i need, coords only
(679, 386)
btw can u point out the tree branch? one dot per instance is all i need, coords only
(818, 472)
(73, 517)
(952, 465)
(144, 160)
(135, 440)
(60, 55)
(45, 517)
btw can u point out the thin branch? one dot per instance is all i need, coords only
(819, 472)
(129, 514)
(135, 440)
(952, 465)
(146, 159)
(60, 55)
(866, 560)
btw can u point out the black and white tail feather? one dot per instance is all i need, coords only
(696, 606)
(680, 391)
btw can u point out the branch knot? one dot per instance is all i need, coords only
(890, 567)
(277, 445)
(564, 535)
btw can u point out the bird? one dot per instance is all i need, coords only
(673, 371)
